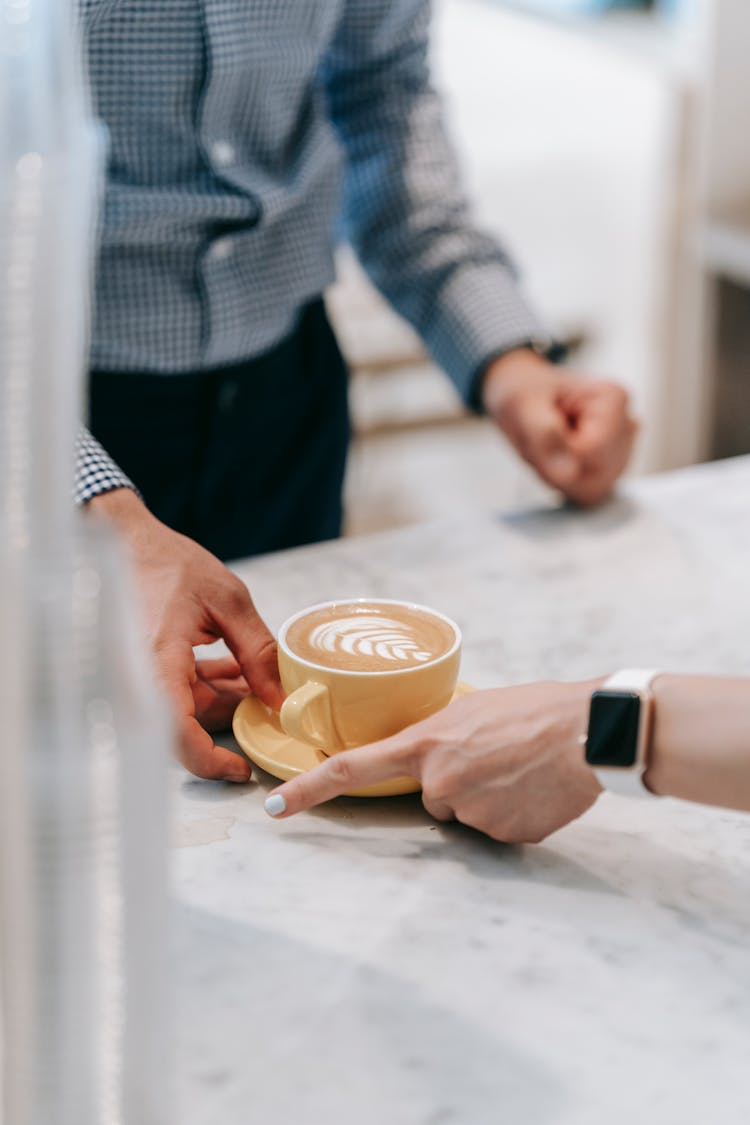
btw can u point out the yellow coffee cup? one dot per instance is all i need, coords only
(339, 708)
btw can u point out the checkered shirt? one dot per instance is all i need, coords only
(96, 472)
(245, 137)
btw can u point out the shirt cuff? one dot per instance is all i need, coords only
(480, 315)
(96, 472)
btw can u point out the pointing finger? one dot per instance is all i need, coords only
(339, 774)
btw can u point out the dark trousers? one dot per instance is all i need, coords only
(245, 459)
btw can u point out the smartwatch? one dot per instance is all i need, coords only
(619, 733)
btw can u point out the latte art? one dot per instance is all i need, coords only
(370, 636)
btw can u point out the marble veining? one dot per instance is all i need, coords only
(362, 963)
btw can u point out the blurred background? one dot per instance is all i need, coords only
(606, 144)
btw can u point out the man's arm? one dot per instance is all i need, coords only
(408, 219)
(189, 598)
(405, 211)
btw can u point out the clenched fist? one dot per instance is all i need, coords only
(576, 431)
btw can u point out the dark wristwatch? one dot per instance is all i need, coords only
(619, 734)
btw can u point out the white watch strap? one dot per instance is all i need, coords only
(632, 679)
(629, 782)
(625, 783)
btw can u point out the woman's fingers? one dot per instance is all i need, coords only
(339, 774)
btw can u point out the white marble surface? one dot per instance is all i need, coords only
(363, 964)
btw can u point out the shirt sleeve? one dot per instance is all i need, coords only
(405, 211)
(96, 472)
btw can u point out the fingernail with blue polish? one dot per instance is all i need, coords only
(275, 805)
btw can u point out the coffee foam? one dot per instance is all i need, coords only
(370, 637)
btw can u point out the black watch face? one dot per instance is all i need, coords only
(613, 729)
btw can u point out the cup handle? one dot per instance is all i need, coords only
(306, 715)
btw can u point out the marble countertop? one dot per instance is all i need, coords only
(364, 964)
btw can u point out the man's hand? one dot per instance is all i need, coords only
(508, 762)
(576, 431)
(218, 689)
(190, 598)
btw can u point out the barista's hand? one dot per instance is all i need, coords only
(576, 431)
(218, 689)
(190, 598)
(508, 762)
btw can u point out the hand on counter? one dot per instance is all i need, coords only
(190, 598)
(510, 761)
(507, 762)
(575, 431)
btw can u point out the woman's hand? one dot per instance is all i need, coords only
(508, 762)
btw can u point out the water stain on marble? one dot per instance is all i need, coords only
(208, 830)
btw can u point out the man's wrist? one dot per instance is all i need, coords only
(503, 374)
(120, 506)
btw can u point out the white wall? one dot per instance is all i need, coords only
(571, 150)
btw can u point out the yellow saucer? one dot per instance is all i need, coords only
(259, 733)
